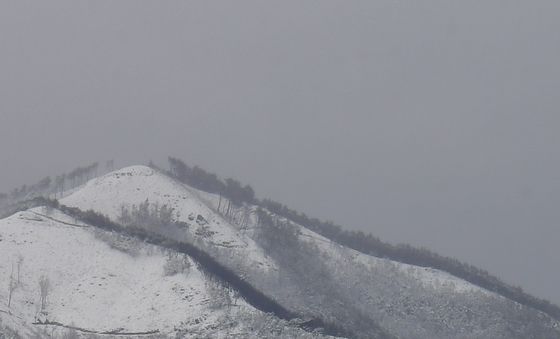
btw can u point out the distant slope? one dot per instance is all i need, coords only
(409, 301)
(363, 242)
(110, 285)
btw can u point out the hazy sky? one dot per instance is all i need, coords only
(435, 123)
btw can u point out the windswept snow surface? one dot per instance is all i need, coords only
(100, 283)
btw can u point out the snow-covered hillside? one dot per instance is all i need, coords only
(134, 185)
(319, 279)
(419, 302)
(106, 283)
(413, 301)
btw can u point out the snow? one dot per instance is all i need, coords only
(133, 185)
(92, 270)
(428, 277)
(95, 286)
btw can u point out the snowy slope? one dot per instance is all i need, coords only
(103, 283)
(133, 185)
(428, 277)
(418, 302)
(409, 301)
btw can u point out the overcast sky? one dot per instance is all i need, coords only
(435, 123)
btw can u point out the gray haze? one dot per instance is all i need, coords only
(434, 123)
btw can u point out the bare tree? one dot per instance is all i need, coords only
(12, 285)
(48, 209)
(219, 294)
(110, 165)
(19, 265)
(44, 287)
(71, 334)
(59, 184)
(176, 263)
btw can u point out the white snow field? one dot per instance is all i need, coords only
(100, 282)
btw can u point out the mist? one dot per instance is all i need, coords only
(432, 123)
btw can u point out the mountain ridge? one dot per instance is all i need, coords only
(242, 236)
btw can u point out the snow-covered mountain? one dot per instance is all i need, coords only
(110, 283)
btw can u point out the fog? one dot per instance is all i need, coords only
(433, 123)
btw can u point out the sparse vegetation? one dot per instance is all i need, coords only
(220, 293)
(302, 264)
(196, 177)
(44, 289)
(48, 186)
(358, 240)
(12, 285)
(8, 333)
(19, 266)
(119, 242)
(153, 216)
(176, 263)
